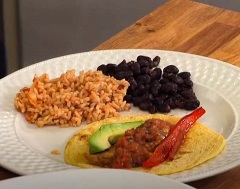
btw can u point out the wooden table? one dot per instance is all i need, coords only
(187, 26)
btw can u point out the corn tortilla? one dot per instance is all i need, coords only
(201, 144)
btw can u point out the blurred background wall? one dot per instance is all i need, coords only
(48, 29)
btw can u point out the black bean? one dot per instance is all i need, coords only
(155, 88)
(169, 87)
(145, 105)
(145, 70)
(176, 79)
(136, 68)
(167, 75)
(146, 58)
(188, 93)
(191, 104)
(156, 61)
(160, 99)
(188, 83)
(129, 64)
(130, 91)
(123, 75)
(171, 77)
(164, 80)
(180, 102)
(111, 74)
(163, 107)
(132, 82)
(156, 74)
(171, 103)
(136, 101)
(176, 96)
(184, 75)
(179, 80)
(128, 98)
(144, 79)
(143, 63)
(147, 86)
(164, 96)
(141, 88)
(111, 68)
(151, 97)
(122, 66)
(138, 93)
(151, 65)
(102, 68)
(155, 83)
(152, 109)
(145, 97)
(155, 91)
(171, 69)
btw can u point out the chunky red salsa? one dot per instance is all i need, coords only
(135, 147)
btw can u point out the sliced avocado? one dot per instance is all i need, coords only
(108, 134)
(113, 139)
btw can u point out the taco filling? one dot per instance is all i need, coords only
(135, 147)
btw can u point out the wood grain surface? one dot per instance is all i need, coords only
(186, 26)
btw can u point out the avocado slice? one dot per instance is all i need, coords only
(108, 134)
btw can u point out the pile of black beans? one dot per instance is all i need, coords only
(154, 89)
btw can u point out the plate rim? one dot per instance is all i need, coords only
(115, 50)
(79, 172)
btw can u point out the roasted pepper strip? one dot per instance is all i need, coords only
(185, 124)
(170, 145)
(179, 140)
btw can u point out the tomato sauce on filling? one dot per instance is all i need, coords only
(137, 145)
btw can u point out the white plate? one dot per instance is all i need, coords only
(92, 179)
(25, 149)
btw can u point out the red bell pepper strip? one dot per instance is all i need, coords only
(179, 140)
(186, 123)
(170, 145)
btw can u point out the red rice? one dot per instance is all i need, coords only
(70, 99)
